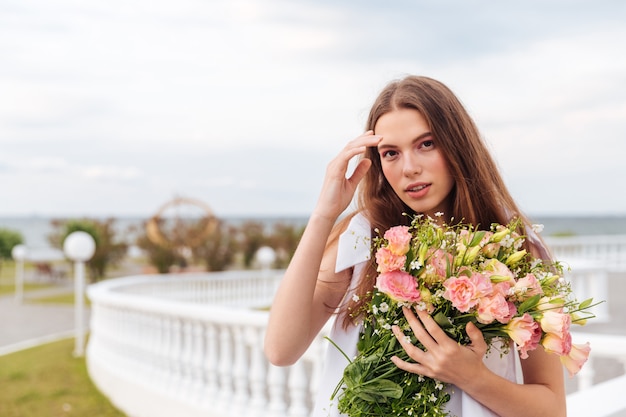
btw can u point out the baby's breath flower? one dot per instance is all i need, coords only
(407, 339)
(355, 298)
(384, 307)
(438, 214)
(432, 398)
(507, 241)
(537, 228)
(439, 386)
(416, 264)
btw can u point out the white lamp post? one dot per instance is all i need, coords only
(18, 253)
(79, 247)
(265, 256)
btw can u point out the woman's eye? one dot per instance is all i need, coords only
(388, 154)
(427, 144)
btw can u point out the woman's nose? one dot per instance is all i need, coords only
(412, 166)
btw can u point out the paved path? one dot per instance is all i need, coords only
(27, 324)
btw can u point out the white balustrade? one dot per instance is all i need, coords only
(192, 345)
(610, 250)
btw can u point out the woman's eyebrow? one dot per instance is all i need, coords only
(420, 137)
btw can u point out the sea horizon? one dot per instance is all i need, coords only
(36, 228)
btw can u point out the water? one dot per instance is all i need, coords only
(36, 229)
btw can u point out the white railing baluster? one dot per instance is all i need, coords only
(210, 366)
(257, 374)
(277, 386)
(240, 373)
(298, 391)
(225, 370)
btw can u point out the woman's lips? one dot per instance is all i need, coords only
(417, 190)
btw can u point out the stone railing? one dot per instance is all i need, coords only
(192, 345)
(607, 250)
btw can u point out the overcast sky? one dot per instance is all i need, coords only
(114, 107)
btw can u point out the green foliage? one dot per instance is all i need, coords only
(8, 239)
(252, 237)
(161, 257)
(109, 250)
(284, 240)
(219, 249)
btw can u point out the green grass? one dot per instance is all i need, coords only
(47, 381)
(57, 299)
(9, 288)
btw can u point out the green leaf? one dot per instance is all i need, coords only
(443, 321)
(478, 236)
(585, 304)
(528, 304)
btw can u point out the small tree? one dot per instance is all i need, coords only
(8, 240)
(161, 256)
(284, 240)
(251, 238)
(219, 249)
(109, 250)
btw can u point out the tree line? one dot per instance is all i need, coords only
(226, 246)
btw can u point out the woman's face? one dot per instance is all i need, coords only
(412, 162)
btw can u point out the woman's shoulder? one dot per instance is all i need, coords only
(354, 245)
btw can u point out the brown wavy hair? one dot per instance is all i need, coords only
(479, 196)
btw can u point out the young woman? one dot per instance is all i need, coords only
(421, 154)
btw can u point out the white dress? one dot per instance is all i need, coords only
(354, 251)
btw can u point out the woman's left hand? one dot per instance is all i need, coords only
(443, 358)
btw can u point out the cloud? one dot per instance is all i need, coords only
(244, 102)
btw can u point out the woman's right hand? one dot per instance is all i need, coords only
(337, 190)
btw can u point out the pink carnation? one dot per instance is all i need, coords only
(388, 261)
(576, 358)
(525, 332)
(399, 285)
(399, 239)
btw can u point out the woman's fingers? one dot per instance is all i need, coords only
(337, 190)
(441, 357)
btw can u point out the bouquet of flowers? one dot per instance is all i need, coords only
(458, 274)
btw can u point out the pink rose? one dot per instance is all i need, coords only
(494, 307)
(399, 286)
(388, 261)
(553, 343)
(525, 332)
(526, 287)
(576, 358)
(461, 291)
(399, 239)
(555, 322)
